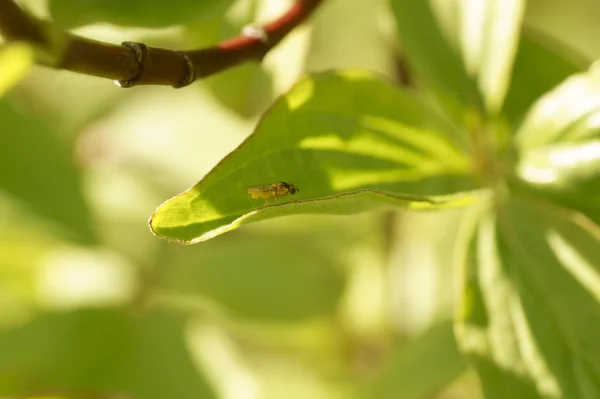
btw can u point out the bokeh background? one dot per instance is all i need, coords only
(298, 307)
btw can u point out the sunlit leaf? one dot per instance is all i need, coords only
(454, 44)
(530, 314)
(430, 50)
(16, 60)
(568, 114)
(489, 37)
(143, 13)
(349, 141)
(423, 367)
(559, 144)
(36, 169)
(567, 173)
(534, 55)
(101, 351)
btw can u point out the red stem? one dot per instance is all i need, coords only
(156, 65)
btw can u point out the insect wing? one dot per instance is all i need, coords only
(260, 189)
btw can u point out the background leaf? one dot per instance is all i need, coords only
(143, 13)
(16, 60)
(530, 311)
(420, 369)
(36, 169)
(463, 49)
(284, 282)
(559, 144)
(574, 26)
(333, 133)
(540, 65)
(431, 52)
(101, 350)
(489, 37)
(567, 114)
(246, 89)
(569, 174)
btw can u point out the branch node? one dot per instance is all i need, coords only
(141, 55)
(132, 63)
(190, 72)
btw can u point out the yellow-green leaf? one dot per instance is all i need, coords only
(530, 312)
(350, 141)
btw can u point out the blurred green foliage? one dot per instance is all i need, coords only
(496, 299)
(150, 14)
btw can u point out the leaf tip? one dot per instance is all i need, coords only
(156, 231)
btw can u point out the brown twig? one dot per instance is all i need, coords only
(137, 64)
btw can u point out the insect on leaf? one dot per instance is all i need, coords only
(350, 142)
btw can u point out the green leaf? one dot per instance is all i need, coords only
(568, 114)
(559, 145)
(530, 314)
(36, 169)
(142, 13)
(569, 174)
(429, 49)
(535, 54)
(575, 25)
(246, 89)
(465, 49)
(23, 250)
(260, 279)
(489, 37)
(16, 60)
(101, 351)
(426, 365)
(349, 141)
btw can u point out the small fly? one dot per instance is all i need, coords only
(274, 190)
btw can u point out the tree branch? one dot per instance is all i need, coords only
(133, 63)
